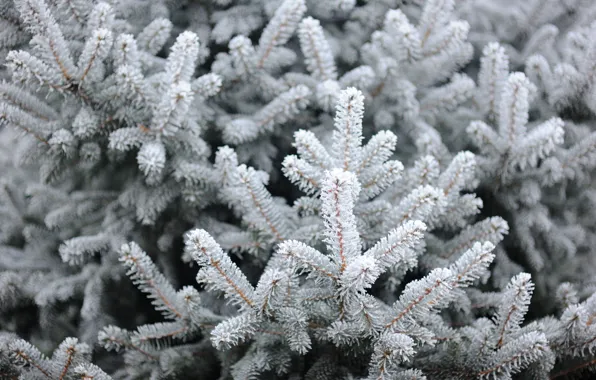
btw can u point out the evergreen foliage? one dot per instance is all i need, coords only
(297, 189)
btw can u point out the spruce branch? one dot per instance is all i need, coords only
(146, 276)
(218, 272)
